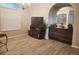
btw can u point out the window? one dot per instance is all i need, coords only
(9, 5)
(10, 19)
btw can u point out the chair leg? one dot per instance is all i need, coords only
(6, 48)
(6, 42)
(0, 41)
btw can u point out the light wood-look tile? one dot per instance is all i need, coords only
(26, 45)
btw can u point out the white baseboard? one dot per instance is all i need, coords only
(16, 36)
(75, 46)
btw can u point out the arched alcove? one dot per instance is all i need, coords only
(52, 14)
(53, 11)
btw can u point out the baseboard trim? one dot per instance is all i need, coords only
(16, 36)
(75, 46)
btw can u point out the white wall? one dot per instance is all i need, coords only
(39, 9)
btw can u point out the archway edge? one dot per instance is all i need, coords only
(66, 4)
(53, 8)
(52, 5)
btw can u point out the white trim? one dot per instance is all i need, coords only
(75, 46)
(16, 36)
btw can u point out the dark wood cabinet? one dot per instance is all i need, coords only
(37, 32)
(64, 35)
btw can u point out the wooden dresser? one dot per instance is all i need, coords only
(63, 35)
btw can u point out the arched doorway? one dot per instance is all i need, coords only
(52, 14)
